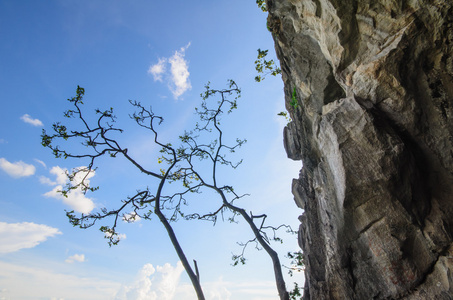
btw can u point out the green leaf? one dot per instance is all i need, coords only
(294, 103)
(262, 5)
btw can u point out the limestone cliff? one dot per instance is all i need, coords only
(373, 126)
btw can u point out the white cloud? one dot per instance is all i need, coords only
(46, 181)
(153, 283)
(158, 69)
(45, 283)
(75, 258)
(120, 236)
(168, 281)
(61, 174)
(28, 119)
(17, 169)
(217, 290)
(16, 236)
(76, 198)
(179, 73)
(178, 78)
(227, 290)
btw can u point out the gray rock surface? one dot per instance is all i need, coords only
(374, 129)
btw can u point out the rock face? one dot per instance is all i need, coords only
(373, 125)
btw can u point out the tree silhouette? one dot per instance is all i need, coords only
(186, 163)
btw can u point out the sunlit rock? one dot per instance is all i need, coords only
(374, 130)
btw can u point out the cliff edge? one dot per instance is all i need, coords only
(369, 87)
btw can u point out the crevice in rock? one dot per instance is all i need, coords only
(349, 34)
(371, 224)
(414, 168)
(333, 91)
(424, 277)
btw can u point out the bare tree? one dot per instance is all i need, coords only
(201, 147)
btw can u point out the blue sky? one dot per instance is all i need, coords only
(161, 53)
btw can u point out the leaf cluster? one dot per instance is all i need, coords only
(297, 262)
(285, 115)
(297, 265)
(262, 5)
(294, 102)
(268, 234)
(265, 67)
(296, 293)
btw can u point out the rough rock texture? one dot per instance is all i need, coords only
(374, 129)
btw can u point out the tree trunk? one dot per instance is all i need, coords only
(279, 280)
(193, 277)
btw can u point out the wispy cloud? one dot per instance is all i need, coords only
(45, 283)
(75, 258)
(41, 162)
(17, 169)
(16, 236)
(178, 78)
(47, 181)
(76, 198)
(28, 119)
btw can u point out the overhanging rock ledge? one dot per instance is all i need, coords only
(374, 129)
